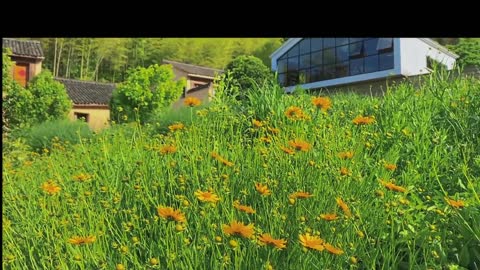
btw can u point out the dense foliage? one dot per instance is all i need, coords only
(295, 182)
(43, 99)
(248, 73)
(469, 51)
(145, 91)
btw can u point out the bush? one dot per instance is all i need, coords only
(145, 91)
(43, 135)
(469, 51)
(44, 99)
(248, 72)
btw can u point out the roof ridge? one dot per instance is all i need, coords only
(30, 40)
(166, 60)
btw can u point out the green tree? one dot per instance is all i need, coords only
(145, 91)
(50, 98)
(469, 51)
(247, 73)
(43, 99)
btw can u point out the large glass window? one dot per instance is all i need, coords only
(317, 59)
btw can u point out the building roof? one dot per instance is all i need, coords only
(292, 41)
(24, 48)
(194, 70)
(88, 93)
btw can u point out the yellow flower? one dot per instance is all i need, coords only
(333, 249)
(192, 101)
(78, 240)
(262, 189)
(390, 167)
(171, 214)
(82, 177)
(233, 243)
(168, 149)
(329, 217)
(267, 239)
(154, 261)
(176, 126)
(343, 171)
(51, 188)
(323, 103)
(294, 112)
(238, 228)
(456, 204)
(273, 130)
(244, 208)
(363, 120)
(221, 159)
(392, 186)
(344, 207)
(287, 150)
(206, 196)
(300, 145)
(257, 123)
(346, 155)
(312, 242)
(265, 139)
(300, 194)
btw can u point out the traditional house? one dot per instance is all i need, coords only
(28, 57)
(199, 80)
(336, 63)
(91, 101)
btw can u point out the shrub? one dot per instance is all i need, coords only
(247, 73)
(44, 99)
(41, 136)
(469, 51)
(145, 91)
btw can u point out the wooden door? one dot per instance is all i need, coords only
(20, 73)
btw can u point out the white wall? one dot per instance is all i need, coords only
(414, 52)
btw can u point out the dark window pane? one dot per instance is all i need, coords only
(352, 40)
(328, 42)
(293, 51)
(342, 53)
(305, 46)
(371, 63)
(341, 69)
(282, 65)
(293, 64)
(329, 72)
(356, 50)
(292, 78)
(284, 56)
(329, 56)
(282, 79)
(316, 74)
(370, 46)
(384, 44)
(317, 44)
(356, 66)
(341, 41)
(305, 61)
(386, 61)
(304, 76)
(317, 58)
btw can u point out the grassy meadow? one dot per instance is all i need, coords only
(286, 182)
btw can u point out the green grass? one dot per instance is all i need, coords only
(430, 133)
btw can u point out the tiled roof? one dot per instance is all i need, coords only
(26, 48)
(88, 93)
(192, 69)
